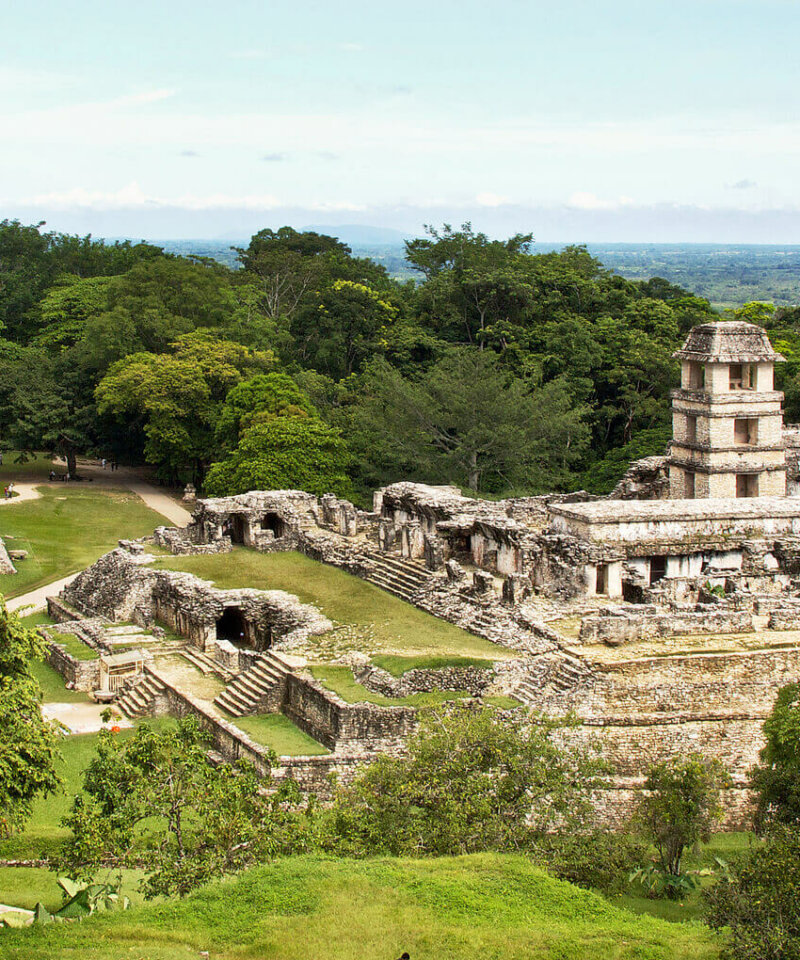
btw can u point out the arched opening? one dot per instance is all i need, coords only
(233, 627)
(271, 521)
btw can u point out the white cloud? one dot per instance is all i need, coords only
(583, 200)
(491, 200)
(133, 197)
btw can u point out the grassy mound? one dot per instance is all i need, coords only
(487, 906)
(389, 624)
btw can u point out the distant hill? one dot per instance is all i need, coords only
(726, 274)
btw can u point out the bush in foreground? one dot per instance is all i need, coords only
(472, 780)
(758, 906)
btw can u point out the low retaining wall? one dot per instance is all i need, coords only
(615, 629)
(311, 773)
(81, 674)
(60, 611)
(335, 723)
(474, 680)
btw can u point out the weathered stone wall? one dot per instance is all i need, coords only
(336, 724)
(626, 627)
(6, 566)
(474, 680)
(80, 674)
(120, 586)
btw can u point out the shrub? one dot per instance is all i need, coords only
(600, 860)
(776, 780)
(680, 806)
(758, 906)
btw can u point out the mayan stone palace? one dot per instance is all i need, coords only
(664, 617)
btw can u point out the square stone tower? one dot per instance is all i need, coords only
(727, 417)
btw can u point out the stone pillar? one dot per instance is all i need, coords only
(434, 554)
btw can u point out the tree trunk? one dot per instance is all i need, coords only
(473, 478)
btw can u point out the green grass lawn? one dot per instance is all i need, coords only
(67, 529)
(44, 832)
(726, 846)
(462, 908)
(26, 886)
(278, 732)
(397, 666)
(75, 647)
(52, 684)
(390, 625)
(36, 468)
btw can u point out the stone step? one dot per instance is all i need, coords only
(410, 578)
(233, 704)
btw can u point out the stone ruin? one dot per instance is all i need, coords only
(6, 566)
(665, 617)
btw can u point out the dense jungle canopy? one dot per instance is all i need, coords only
(499, 369)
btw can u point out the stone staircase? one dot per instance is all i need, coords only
(563, 676)
(399, 575)
(244, 694)
(205, 664)
(140, 699)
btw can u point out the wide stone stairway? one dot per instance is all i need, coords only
(249, 689)
(399, 575)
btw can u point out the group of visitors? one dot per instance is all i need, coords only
(8, 490)
(109, 463)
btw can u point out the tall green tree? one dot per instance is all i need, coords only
(299, 453)
(28, 750)
(776, 778)
(176, 398)
(467, 420)
(155, 802)
(471, 780)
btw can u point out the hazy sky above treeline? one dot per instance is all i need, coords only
(640, 121)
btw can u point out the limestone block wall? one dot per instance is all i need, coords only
(628, 627)
(81, 674)
(685, 687)
(337, 724)
(475, 680)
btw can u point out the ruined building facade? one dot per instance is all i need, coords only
(665, 617)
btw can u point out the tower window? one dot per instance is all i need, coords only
(658, 569)
(691, 428)
(746, 485)
(688, 485)
(696, 376)
(741, 376)
(745, 431)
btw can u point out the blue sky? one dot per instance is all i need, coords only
(646, 121)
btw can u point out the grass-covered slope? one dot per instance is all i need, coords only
(389, 624)
(485, 906)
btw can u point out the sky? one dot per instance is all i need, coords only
(646, 121)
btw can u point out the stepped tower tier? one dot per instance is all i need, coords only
(727, 417)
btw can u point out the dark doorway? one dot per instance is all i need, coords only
(234, 528)
(658, 569)
(271, 521)
(602, 578)
(232, 627)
